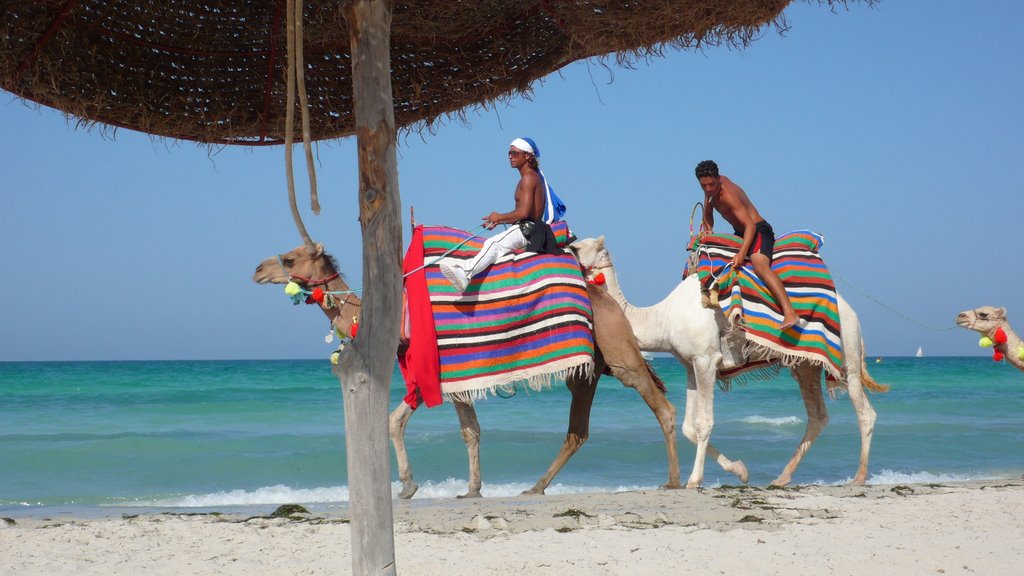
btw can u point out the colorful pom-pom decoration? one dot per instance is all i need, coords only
(354, 328)
(1020, 353)
(985, 342)
(599, 279)
(997, 356)
(292, 289)
(999, 337)
(318, 295)
(334, 357)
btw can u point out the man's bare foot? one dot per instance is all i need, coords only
(788, 321)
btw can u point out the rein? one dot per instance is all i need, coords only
(449, 251)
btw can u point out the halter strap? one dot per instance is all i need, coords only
(307, 281)
(311, 282)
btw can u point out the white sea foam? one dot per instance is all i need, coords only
(778, 421)
(452, 487)
(280, 494)
(894, 477)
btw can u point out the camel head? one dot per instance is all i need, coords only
(301, 262)
(591, 254)
(984, 319)
(310, 268)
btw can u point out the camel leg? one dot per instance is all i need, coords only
(396, 428)
(703, 416)
(865, 414)
(583, 391)
(634, 373)
(471, 435)
(620, 351)
(736, 467)
(809, 378)
(856, 376)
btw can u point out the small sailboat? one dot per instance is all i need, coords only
(920, 352)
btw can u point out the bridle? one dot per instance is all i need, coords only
(306, 283)
(588, 271)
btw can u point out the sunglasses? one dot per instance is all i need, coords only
(515, 153)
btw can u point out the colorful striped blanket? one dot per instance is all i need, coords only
(747, 303)
(526, 318)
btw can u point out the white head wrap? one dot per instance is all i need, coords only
(526, 145)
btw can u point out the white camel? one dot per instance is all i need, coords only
(987, 320)
(680, 325)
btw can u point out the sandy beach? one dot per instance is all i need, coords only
(963, 528)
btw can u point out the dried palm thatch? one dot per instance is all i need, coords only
(214, 70)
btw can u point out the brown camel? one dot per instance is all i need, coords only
(617, 353)
(987, 320)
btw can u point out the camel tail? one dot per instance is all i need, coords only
(869, 382)
(657, 379)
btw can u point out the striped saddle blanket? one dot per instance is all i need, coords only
(526, 318)
(747, 303)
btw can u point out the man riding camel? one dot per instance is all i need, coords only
(535, 208)
(732, 203)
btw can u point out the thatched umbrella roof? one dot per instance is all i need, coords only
(214, 70)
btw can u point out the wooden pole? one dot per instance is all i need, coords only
(365, 370)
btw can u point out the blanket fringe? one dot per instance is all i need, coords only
(755, 375)
(535, 379)
(835, 382)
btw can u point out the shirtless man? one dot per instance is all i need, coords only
(732, 203)
(528, 230)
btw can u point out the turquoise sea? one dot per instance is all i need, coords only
(207, 434)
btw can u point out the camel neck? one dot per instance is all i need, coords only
(345, 310)
(639, 318)
(1013, 346)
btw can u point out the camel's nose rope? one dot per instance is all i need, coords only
(695, 260)
(889, 308)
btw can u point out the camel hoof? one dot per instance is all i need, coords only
(533, 492)
(692, 485)
(740, 470)
(408, 490)
(859, 480)
(781, 482)
(472, 494)
(672, 486)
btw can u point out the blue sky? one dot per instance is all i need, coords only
(894, 130)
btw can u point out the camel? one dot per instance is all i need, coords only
(988, 320)
(698, 338)
(615, 354)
